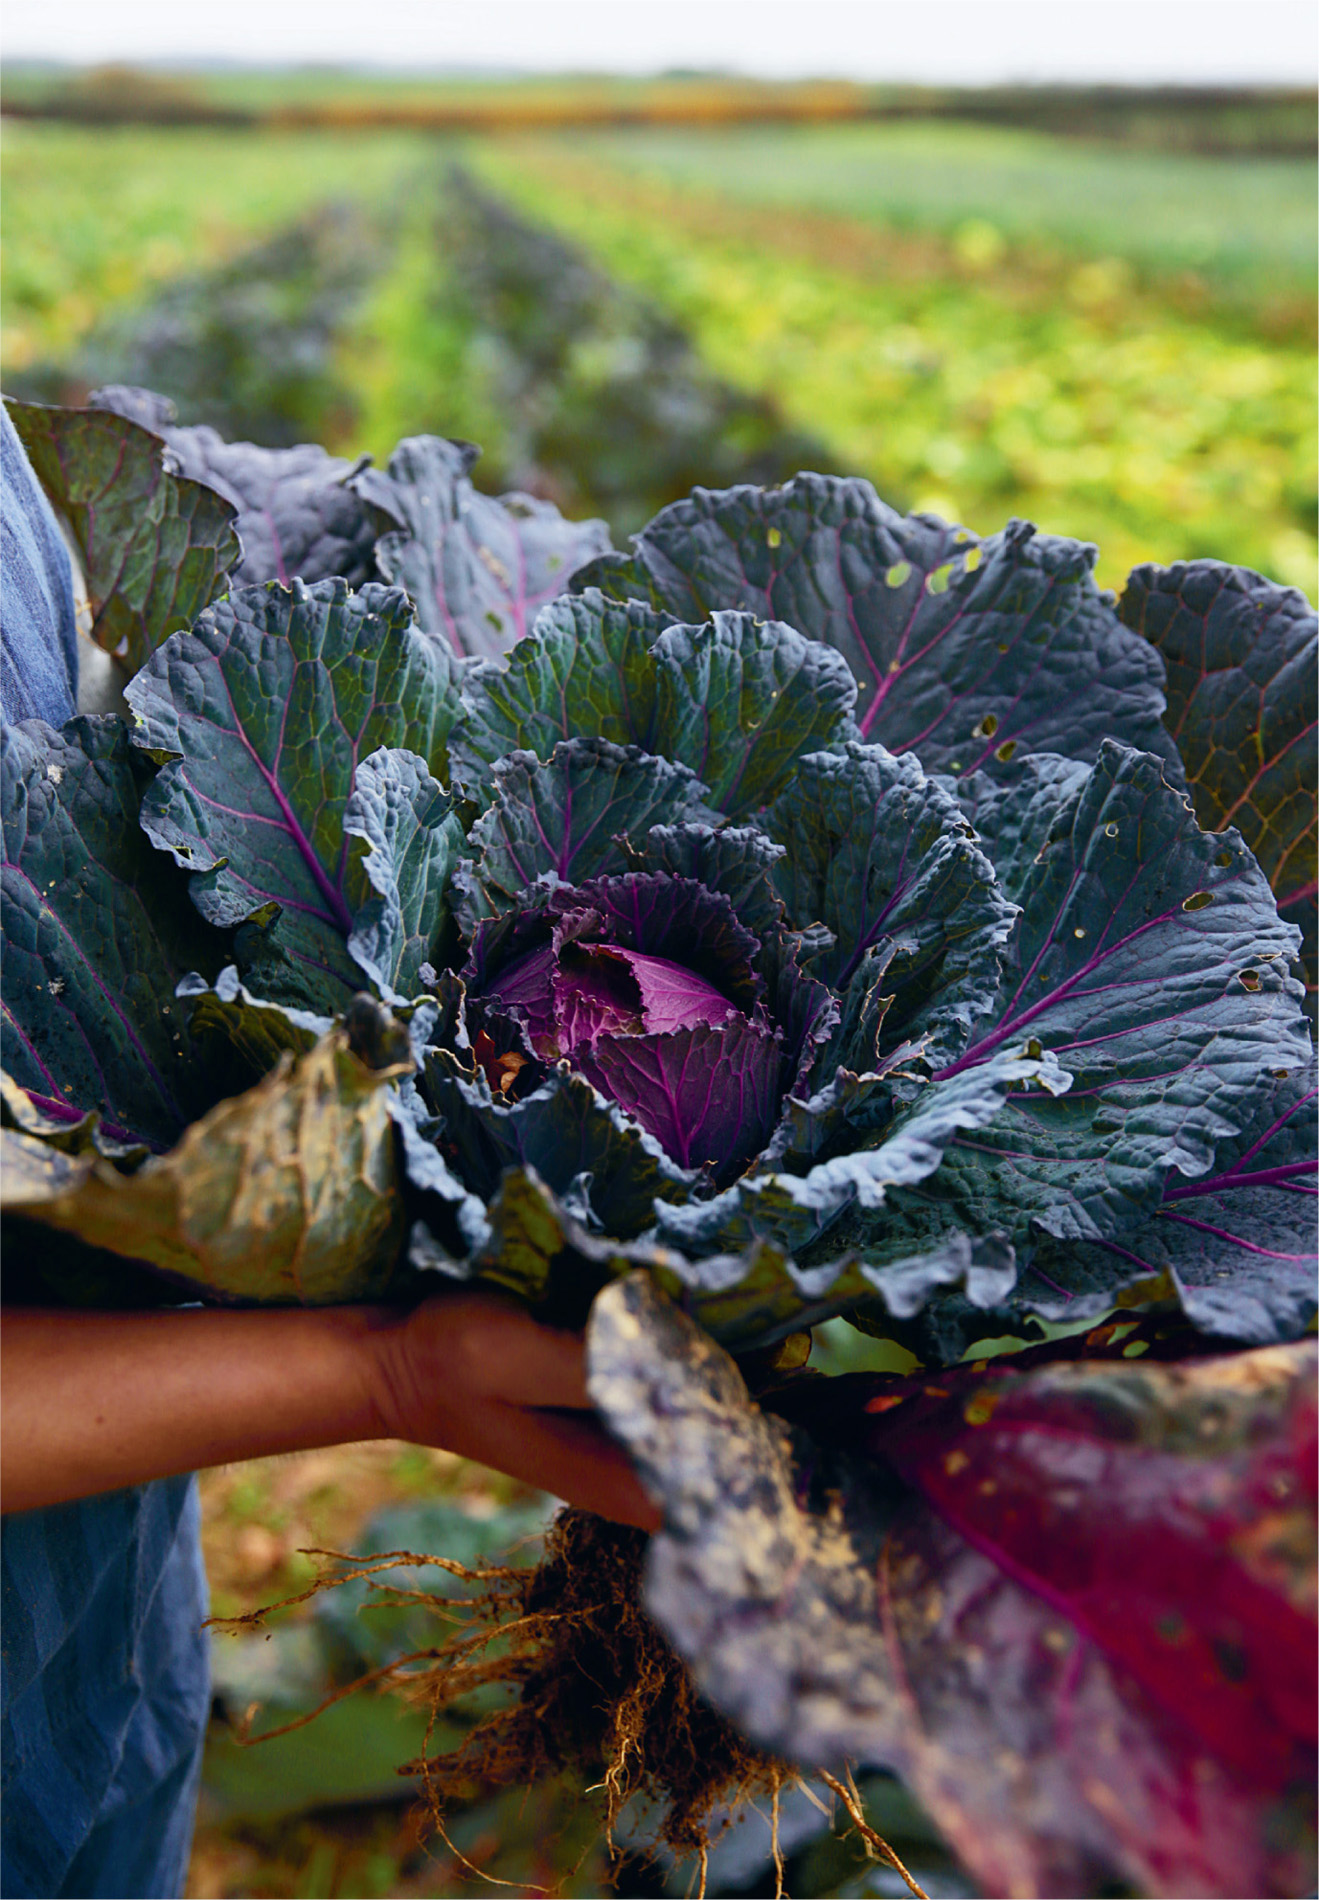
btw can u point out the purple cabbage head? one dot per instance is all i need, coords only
(646, 985)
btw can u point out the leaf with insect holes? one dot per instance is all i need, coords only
(965, 651)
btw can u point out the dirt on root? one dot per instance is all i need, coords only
(599, 1692)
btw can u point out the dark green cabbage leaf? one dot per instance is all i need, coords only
(260, 718)
(1238, 1248)
(965, 651)
(155, 546)
(97, 933)
(1242, 656)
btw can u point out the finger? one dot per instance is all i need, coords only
(570, 1457)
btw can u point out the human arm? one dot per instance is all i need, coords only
(91, 1402)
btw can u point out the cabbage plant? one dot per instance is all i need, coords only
(816, 913)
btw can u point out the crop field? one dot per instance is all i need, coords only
(967, 376)
(986, 322)
(1247, 222)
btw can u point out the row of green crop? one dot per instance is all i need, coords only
(433, 310)
(93, 221)
(1245, 226)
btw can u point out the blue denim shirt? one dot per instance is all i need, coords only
(104, 1687)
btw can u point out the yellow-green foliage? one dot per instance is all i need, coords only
(92, 219)
(1244, 224)
(946, 354)
(967, 379)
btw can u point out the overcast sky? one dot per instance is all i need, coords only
(956, 41)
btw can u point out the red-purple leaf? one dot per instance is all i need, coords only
(709, 1095)
(1048, 1768)
(1072, 1604)
(1151, 1508)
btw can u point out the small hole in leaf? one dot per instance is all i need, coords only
(987, 728)
(1110, 831)
(973, 560)
(774, 537)
(1224, 860)
(1249, 980)
(1197, 900)
(1006, 750)
(898, 573)
(1079, 931)
(980, 1409)
(937, 583)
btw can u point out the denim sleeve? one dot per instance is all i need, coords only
(38, 631)
(103, 1669)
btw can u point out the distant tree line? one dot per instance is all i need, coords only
(1269, 121)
